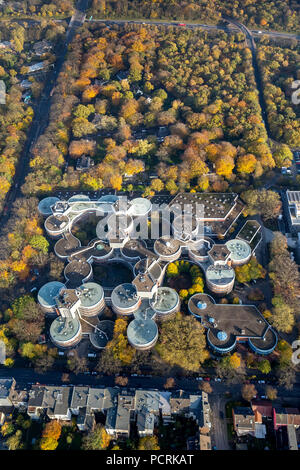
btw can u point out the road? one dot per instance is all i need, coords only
(274, 34)
(217, 399)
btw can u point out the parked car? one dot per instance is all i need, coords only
(221, 415)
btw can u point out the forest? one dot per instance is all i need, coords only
(279, 15)
(23, 8)
(279, 67)
(127, 98)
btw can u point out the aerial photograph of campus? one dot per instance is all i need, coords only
(150, 228)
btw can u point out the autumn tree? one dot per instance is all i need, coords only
(263, 202)
(148, 443)
(249, 392)
(182, 343)
(98, 439)
(50, 435)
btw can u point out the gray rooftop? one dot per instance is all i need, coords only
(48, 292)
(64, 329)
(141, 332)
(124, 296)
(90, 294)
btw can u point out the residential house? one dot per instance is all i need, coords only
(243, 420)
(7, 387)
(285, 416)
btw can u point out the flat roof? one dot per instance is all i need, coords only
(220, 274)
(134, 249)
(141, 332)
(48, 292)
(249, 230)
(215, 205)
(148, 265)
(102, 334)
(55, 223)
(45, 204)
(76, 271)
(236, 320)
(124, 296)
(140, 206)
(64, 329)
(78, 198)
(165, 300)
(91, 294)
(166, 246)
(239, 249)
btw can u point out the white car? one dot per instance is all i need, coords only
(259, 32)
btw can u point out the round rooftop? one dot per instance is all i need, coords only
(165, 246)
(90, 294)
(107, 202)
(56, 223)
(124, 296)
(220, 275)
(140, 206)
(45, 204)
(102, 334)
(132, 249)
(166, 300)
(64, 329)
(142, 332)
(77, 271)
(48, 292)
(79, 198)
(239, 249)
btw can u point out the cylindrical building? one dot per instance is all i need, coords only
(65, 246)
(168, 249)
(220, 279)
(240, 251)
(46, 296)
(132, 251)
(65, 332)
(165, 303)
(92, 300)
(56, 225)
(45, 204)
(102, 334)
(125, 300)
(142, 333)
(77, 272)
(139, 207)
